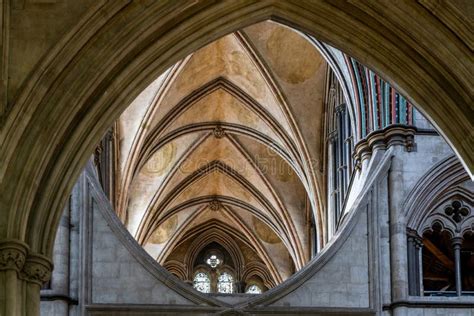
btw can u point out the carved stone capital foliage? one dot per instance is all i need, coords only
(12, 255)
(37, 269)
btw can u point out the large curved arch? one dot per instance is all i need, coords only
(151, 38)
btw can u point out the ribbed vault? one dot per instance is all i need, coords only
(219, 147)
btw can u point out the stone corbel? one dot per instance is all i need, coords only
(392, 135)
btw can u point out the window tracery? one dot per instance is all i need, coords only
(441, 252)
(213, 261)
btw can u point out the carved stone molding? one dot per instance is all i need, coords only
(12, 255)
(456, 210)
(383, 139)
(218, 132)
(37, 269)
(215, 205)
(415, 237)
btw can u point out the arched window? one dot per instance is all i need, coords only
(441, 258)
(225, 283)
(438, 262)
(202, 282)
(254, 289)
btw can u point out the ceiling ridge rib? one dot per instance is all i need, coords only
(224, 200)
(287, 219)
(258, 244)
(149, 222)
(206, 89)
(168, 178)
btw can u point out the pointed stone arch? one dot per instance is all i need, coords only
(157, 36)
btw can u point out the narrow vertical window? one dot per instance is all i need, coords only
(340, 146)
(225, 283)
(202, 282)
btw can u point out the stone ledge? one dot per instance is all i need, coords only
(433, 302)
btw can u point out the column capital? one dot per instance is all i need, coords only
(413, 236)
(13, 254)
(37, 269)
(457, 241)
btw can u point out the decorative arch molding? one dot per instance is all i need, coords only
(440, 205)
(336, 61)
(256, 268)
(213, 231)
(219, 236)
(440, 182)
(378, 104)
(457, 227)
(244, 234)
(176, 268)
(148, 39)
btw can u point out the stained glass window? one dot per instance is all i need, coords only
(202, 282)
(225, 283)
(213, 261)
(254, 289)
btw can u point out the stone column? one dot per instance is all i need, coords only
(419, 251)
(412, 266)
(457, 242)
(21, 275)
(398, 236)
(415, 275)
(12, 259)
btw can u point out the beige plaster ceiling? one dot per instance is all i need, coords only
(222, 144)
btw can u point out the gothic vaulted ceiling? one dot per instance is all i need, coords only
(226, 147)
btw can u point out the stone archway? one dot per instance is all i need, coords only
(87, 80)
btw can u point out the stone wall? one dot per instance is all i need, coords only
(101, 270)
